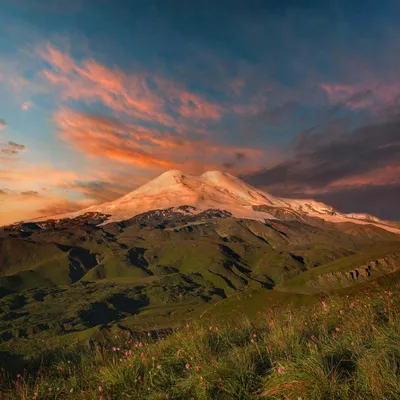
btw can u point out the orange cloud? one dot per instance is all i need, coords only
(16, 206)
(102, 137)
(139, 95)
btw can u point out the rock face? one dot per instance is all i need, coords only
(215, 190)
(358, 274)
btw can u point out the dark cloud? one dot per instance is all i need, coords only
(12, 148)
(358, 97)
(323, 159)
(240, 156)
(319, 160)
(99, 190)
(30, 193)
(382, 201)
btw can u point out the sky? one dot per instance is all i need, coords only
(299, 98)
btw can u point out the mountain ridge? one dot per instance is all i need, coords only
(215, 190)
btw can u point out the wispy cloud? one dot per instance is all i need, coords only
(140, 95)
(102, 137)
(323, 165)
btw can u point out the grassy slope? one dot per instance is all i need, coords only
(300, 283)
(339, 347)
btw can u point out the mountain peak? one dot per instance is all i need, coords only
(217, 190)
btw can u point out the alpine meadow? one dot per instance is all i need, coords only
(199, 200)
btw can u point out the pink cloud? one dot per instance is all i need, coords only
(26, 105)
(130, 94)
(146, 148)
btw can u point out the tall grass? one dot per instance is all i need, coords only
(343, 347)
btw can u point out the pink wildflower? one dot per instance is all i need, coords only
(198, 368)
(100, 389)
(337, 329)
(281, 370)
(312, 337)
(158, 366)
(187, 366)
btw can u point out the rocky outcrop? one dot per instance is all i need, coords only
(358, 274)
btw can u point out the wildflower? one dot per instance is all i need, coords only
(216, 329)
(167, 396)
(178, 353)
(210, 328)
(351, 306)
(337, 329)
(341, 312)
(281, 370)
(254, 335)
(114, 349)
(153, 358)
(71, 390)
(68, 362)
(148, 334)
(198, 368)
(187, 366)
(18, 375)
(100, 389)
(50, 389)
(252, 340)
(158, 366)
(312, 337)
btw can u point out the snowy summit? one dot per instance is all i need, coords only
(213, 190)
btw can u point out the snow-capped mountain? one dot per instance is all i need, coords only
(215, 190)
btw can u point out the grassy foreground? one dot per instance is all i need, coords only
(343, 347)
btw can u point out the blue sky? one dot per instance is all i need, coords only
(96, 97)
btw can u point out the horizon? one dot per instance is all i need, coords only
(300, 100)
